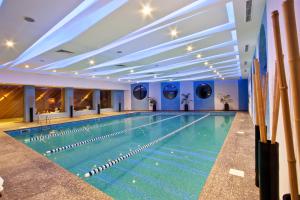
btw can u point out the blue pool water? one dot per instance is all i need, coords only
(139, 156)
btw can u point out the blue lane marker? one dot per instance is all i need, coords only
(142, 148)
(99, 138)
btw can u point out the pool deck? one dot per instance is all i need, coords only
(29, 175)
(237, 153)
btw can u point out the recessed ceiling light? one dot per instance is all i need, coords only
(215, 71)
(91, 62)
(189, 48)
(93, 76)
(107, 77)
(155, 76)
(211, 67)
(206, 63)
(218, 73)
(223, 78)
(129, 80)
(9, 44)
(119, 79)
(174, 33)
(29, 19)
(170, 79)
(27, 66)
(220, 76)
(76, 73)
(199, 55)
(131, 71)
(146, 10)
(54, 70)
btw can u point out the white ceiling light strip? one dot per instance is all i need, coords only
(186, 63)
(197, 72)
(69, 61)
(204, 77)
(136, 77)
(162, 62)
(79, 20)
(185, 10)
(166, 46)
(113, 71)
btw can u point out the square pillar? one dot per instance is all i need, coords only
(29, 103)
(117, 100)
(69, 99)
(96, 100)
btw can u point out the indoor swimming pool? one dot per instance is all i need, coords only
(163, 155)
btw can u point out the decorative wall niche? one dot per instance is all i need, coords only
(203, 91)
(170, 91)
(139, 92)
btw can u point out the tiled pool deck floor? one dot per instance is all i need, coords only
(29, 175)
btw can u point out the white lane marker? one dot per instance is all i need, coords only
(142, 148)
(55, 133)
(70, 146)
(236, 172)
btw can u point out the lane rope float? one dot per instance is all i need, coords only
(109, 164)
(99, 138)
(74, 131)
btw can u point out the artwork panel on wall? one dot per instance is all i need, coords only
(11, 101)
(170, 96)
(139, 90)
(204, 95)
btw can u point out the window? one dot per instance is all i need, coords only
(83, 99)
(203, 91)
(105, 98)
(139, 92)
(170, 91)
(49, 99)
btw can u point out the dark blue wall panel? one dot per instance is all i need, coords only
(170, 104)
(204, 104)
(243, 94)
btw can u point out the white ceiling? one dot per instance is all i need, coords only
(127, 46)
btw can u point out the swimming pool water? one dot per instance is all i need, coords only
(169, 155)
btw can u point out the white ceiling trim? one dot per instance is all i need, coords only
(132, 36)
(79, 20)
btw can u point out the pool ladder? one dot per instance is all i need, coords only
(47, 125)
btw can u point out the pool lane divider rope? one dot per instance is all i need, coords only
(109, 164)
(74, 131)
(77, 144)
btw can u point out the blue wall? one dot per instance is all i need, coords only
(140, 104)
(204, 104)
(240, 88)
(170, 104)
(243, 94)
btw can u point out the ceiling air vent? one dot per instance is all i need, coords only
(64, 51)
(248, 10)
(245, 63)
(121, 65)
(246, 47)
